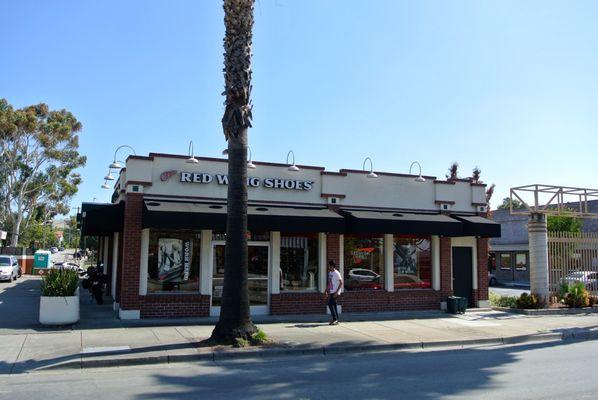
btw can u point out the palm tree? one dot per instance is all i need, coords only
(235, 319)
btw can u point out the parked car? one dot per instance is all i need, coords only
(364, 275)
(53, 249)
(69, 265)
(410, 281)
(362, 278)
(9, 268)
(588, 278)
(491, 279)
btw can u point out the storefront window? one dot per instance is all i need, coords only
(521, 261)
(299, 262)
(505, 261)
(412, 263)
(364, 262)
(173, 261)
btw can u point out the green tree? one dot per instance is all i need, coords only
(235, 318)
(505, 204)
(39, 150)
(561, 223)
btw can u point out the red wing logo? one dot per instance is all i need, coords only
(164, 176)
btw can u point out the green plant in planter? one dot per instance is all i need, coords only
(527, 301)
(563, 290)
(59, 283)
(496, 300)
(577, 296)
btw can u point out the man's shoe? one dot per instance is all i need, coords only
(333, 322)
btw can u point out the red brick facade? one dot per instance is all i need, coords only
(197, 305)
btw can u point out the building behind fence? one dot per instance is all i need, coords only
(573, 257)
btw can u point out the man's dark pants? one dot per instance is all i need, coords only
(332, 307)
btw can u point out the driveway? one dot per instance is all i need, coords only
(19, 305)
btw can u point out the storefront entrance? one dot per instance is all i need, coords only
(258, 264)
(462, 273)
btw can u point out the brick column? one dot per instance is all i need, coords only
(129, 290)
(446, 274)
(482, 292)
(332, 248)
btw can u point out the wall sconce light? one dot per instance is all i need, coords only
(371, 174)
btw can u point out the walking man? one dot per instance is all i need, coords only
(333, 290)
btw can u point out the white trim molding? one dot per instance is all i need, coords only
(143, 261)
(275, 263)
(323, 263)
(435, 262)
(205, 253)
(389, 284)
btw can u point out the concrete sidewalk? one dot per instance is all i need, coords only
(132, 345)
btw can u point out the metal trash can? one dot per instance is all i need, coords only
(456, 305)
(462, 304)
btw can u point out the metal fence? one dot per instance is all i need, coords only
(573, 257)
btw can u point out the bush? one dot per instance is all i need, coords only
(577, 296)
(60, 282)
(527, 301)
(563, 290)
(496, 300)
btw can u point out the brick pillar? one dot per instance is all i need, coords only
(332, 250)
(482, 246)
(129, 290)
(446, 275)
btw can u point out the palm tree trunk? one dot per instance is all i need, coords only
(235, 319)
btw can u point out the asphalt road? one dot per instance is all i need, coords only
(506, 291)
(531, 371)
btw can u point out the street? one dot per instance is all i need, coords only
(507, 291)
(557, 370)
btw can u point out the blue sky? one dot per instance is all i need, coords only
(508, 86)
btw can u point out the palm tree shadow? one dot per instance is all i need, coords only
(408, 374)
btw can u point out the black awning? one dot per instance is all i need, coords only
(179, 215)
(474, 225)
(358, 221)
(102, 219)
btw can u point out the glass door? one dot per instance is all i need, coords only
(258, 263)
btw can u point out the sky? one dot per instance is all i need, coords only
(507, 86)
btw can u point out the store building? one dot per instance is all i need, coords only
(401, 243)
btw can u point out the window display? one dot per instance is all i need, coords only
(521, 261)
(173, 262)
(412, 263)
(364, 262)
(299, 262)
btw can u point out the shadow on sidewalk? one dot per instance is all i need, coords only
(407, 376)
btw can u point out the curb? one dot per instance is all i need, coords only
(87, 362)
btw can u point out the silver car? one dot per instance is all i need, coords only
(588, 278)
(9, 268)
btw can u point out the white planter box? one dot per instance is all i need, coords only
(59, 310)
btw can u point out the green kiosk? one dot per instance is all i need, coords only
(42, 259)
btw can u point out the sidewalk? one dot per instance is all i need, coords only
(86, 347)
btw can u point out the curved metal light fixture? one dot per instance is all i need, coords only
(292, 167)
(250, 164)
(371, 174)
(191, 159)
(119, 164)
(109, 176)
(105, 185)
(420, 178)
